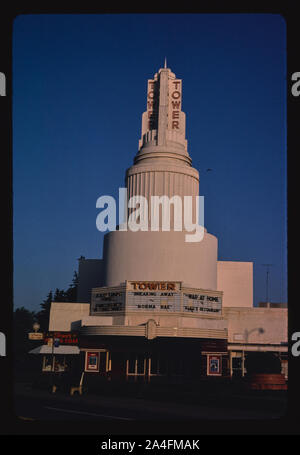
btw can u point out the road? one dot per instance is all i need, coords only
(44, 406)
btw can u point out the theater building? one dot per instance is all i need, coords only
(156, 306)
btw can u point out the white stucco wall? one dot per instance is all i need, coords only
(235, 279)
(160, 256)
(265, 326)
(64, 316)
(257, 325)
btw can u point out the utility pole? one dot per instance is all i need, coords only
(267, 280)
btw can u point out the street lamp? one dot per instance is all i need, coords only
(36, 326)
(247, 333)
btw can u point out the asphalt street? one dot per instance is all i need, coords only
(43, 406)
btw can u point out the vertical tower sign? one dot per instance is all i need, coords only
(164, 120)
(175, 91)
(152, 104)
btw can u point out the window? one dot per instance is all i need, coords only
(58, 362)
(47, 363)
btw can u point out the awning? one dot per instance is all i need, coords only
(65, 350)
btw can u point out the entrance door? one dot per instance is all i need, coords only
(143, 367)
(236, 364)
(136, 367)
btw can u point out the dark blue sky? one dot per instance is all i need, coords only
(79, 90)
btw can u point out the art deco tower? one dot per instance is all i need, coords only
(162, 166)
(154, 304)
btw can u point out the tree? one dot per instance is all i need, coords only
(23, 320)
(59, 296)
(70, 295)
(43, 315)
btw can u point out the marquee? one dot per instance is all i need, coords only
(155, 296)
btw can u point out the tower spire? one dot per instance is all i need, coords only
(163, 124)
